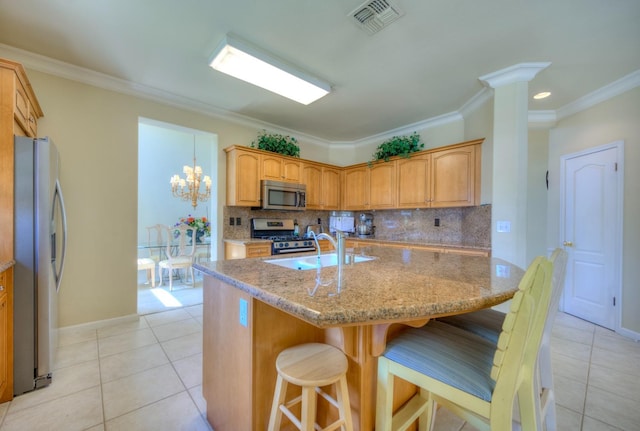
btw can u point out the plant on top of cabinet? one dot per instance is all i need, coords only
(277, 143)
(401, 146)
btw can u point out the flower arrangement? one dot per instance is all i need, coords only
(200, 224)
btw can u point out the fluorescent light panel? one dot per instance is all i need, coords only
(244, 61)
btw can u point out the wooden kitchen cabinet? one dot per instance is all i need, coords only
(323, 186)
(243, 177)
(355, 188)
(437, 179)
(382, 185)
(239, 250)
(6, 335)
(413, 178)
(455, 177)
(370, 187)
(279, 168)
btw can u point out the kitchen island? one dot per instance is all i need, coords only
(254, 309)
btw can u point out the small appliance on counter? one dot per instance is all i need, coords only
(365, 227)
(342, 221)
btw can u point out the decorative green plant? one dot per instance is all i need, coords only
(401, 146)
(277, 143)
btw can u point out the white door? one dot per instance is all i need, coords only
(590, 232)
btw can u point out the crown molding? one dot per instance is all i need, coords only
(68, 71)
(542, 119)
(479, 99)
(600, 95)
(440, 120)
(516, 73)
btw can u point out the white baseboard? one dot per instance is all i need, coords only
(101, 323)
(629, 334)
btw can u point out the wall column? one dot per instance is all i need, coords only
(510, 152)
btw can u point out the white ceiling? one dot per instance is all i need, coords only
(424, 65)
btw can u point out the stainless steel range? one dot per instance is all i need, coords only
(280, 231)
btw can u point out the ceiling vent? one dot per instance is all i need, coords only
(373, 16)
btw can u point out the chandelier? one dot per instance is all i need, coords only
(189, 189)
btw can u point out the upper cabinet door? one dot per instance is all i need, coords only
(455, 177)
(243, 181)
(355, 189)
(413, 181)
(312, 177)
(330, 188)
(291, 171)
(382, 185)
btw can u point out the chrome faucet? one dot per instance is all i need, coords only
(339, 245)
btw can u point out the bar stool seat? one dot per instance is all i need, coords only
(311, 366)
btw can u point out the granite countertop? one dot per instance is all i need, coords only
(4, 265)
(399, 285)
(419, 244)
(247, 241)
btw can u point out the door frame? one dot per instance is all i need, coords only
(619, 230)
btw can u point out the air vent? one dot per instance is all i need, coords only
(373, 16)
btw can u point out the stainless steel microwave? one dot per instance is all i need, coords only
(277, 195)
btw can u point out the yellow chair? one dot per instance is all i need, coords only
(487, 323)
(469, 375)
(182, 258)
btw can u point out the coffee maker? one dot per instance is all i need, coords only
(365, 227)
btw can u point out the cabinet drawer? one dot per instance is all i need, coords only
(258, 251)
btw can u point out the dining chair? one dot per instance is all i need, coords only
(469, 375)
(149, 262)
(487, 323)
(182, 256)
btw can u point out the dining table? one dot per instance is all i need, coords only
(255, 308)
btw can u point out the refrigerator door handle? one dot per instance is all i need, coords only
(58, 273)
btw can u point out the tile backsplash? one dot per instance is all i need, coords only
(468, 226)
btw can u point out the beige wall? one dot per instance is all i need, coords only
(613, 120)
(96, 132)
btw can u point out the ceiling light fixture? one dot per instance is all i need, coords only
(248, 63)
(188, 189)
(542, 95)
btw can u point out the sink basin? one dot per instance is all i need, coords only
(311, 262)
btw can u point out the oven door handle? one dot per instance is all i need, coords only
(296, 250)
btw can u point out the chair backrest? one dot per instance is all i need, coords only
(521, 332)
(184, 244)
(156, 241)
(559, 260)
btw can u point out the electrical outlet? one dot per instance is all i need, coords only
(437, 222)
(238, 221)
(503, 226)
(231, 220)
(244, 312)
(502, 271)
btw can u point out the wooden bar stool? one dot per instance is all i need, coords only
(311, 366)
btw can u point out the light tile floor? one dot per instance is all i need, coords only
(147, 375)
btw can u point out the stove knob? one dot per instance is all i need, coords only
(286, 244)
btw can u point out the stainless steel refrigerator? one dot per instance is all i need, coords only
(40, 244)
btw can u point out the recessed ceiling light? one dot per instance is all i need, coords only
(249, 63)
(542, 95)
